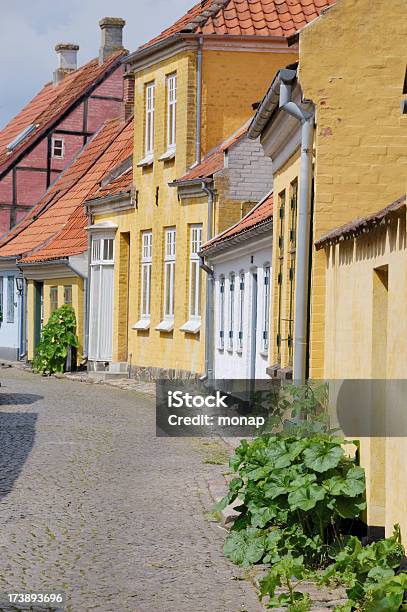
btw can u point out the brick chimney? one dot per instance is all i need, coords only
(112, 36)
(128, 95)
(67, 61)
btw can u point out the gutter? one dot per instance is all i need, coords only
(86, 305)
(210, 290)
(306, 119)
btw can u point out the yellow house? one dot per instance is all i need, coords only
(353, 283)
(194, 85)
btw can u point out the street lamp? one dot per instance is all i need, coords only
(19, 284)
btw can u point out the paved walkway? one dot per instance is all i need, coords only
(92, 503)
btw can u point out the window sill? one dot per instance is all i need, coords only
(192, 326)
(264, 353)
(146, 161)
(166, 326)
(168, 155)
(142, 324)
(239, 351)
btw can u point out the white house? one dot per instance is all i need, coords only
(11, 298)
(240, 258)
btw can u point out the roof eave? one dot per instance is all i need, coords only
(225, 243)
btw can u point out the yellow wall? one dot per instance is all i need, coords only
(77, 304)
(232, 82)
(352, 65)
(366, 337)
(281, 263)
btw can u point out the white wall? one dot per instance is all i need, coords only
(9, 329)
(249, 259)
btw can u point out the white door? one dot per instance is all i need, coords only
(101, 299)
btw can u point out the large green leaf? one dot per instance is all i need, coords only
(348, 507)
(305, 498)
(245, 547)
(322, 457)
(355, 483)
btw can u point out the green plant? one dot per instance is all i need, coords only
(57, 335)
(281, 575)
(369, 574)
(296, 492)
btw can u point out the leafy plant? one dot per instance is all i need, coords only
(57, 335)
(369, 574)
(298, 491)
(281, 575)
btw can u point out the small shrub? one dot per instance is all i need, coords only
(57, 335)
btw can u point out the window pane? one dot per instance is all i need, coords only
(222, 313)
(53, 298)
(10, 299)
(95, 250)
(146, 290)
(68, 294)
(108, 249)
(231, 309)
(266, 308)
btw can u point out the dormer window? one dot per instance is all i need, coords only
(58, 148)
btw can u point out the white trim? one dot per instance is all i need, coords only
(168, 155)
(192, 326)
(148, 160)
(167, 325)
(149, 118)
(62, 147)
(171, 110)
(170, 237)
(143, 324)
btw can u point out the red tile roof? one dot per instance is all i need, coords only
(50, 104)
(360, 226)
(121, 184)
(259, 215)
(246, 18)
(55, 228)
(214, 161)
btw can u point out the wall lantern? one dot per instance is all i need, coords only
(19, 284)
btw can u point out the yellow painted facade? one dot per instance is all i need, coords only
(77, 293)
(226, 105)
(356, 84)
(358, 291)
(286, 193)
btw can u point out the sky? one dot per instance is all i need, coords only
(30, 29)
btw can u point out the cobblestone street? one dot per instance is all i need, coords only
(93, 504)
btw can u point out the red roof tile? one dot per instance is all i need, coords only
(260, 214)
(214, 160)
(245, 17)
(50, 104)
(56, 226)
(121, 184)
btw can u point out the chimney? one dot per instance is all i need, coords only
(112, 36)
(128, 95)
(67, 61)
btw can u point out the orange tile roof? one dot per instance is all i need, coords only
(214, 161)
(260, 214)
(50, 104)
(121, 184)
(245, 18)
(56, 226)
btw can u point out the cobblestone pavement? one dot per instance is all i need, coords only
(93, 504)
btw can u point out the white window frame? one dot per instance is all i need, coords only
(58, 147)
(102, 246)
(232, 288)
(170, 237)
(193, 325)
(10, 299)
(150, 111)
(171, 111)
(240, 337)
(265, 335)
(222, 287)
(146, 268)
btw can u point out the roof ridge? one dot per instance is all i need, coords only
(206, 14)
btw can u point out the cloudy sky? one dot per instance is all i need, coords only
(29, 30)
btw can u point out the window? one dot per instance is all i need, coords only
(68, 294)
(169, 263)
(149, 138)
(10, 299)
(281, 213)
(266, 309)
(293, 245)
(53, 299)
(222, 312)
(102, 250)
(58, 148)
(146, 263)
(1, 299)
(171, 110)
(241, 310)
(231, 310)
(195, 273)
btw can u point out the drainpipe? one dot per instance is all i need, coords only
(304, 225)
(86, 306)
(209, 306)
(198, 102)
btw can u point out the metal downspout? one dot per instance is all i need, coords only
(209, 305)
(87, 293)
(304, 228)
(198, 102)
